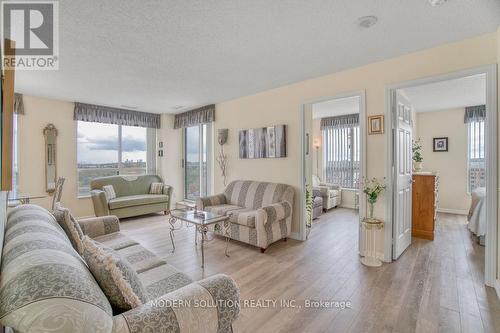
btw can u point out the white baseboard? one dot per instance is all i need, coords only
(347, 206)
(295, 235)
(497, 287)
(453, 211)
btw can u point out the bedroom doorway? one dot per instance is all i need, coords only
(452, 182)
(333, 164)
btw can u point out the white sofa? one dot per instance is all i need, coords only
(331, 194)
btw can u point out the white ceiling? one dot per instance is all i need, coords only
(336, 107)
(160, 54)
(467, 91)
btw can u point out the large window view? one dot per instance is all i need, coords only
(341, 155)
(476, 160)
(106, 150)
(195, 161)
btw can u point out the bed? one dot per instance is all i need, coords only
(477, 214)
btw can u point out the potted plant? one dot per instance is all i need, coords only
(417, 155)
(373, 188)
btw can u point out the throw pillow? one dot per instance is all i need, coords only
(156, 188)
(114, 274)
(109, 190)
(69, 225)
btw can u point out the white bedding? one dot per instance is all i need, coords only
(477, 212)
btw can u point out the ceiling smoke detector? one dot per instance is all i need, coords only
(177, 107)
(435, 3)
(367, 21)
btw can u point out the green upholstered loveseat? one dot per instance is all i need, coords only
(132, 196)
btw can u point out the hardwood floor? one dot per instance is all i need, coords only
(436, 286)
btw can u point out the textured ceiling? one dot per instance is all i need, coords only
(467, 91)
(157, 55)
(336, 107)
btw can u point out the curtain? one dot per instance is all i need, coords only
(205, 114)
(109, 115)
(18, 104)
(475, 113)
(341, 150)
(348, 120)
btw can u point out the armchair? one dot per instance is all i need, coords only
(331, 194)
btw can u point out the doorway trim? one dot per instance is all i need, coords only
(491, 161)
(305, 141)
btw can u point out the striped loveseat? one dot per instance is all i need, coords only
(46, 286)
(260, 212)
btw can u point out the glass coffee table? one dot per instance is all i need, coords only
(201, 220)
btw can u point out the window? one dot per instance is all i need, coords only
(196, 155)
(476, 162)
(107, 149)
(341, 155)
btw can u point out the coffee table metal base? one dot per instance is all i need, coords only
(202, 230)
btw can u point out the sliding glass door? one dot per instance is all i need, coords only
(196, 161)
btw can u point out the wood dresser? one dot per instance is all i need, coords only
(424, 204)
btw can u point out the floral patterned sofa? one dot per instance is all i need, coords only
(45, 285)
(260, 212)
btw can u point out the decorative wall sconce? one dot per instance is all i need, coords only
(222, 158)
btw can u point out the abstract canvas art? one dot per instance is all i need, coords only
(264, 142)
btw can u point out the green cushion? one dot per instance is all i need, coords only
(126, 185)
(137, 200)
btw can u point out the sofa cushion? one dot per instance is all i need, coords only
(140, 258)
(109, 191)
(162, 280)
(137, 200)
(126, 185)
(156, 188)
(245, 216)
(116, 241)
(45, 285)
(69, 225)
(116, 277)
(223, 209)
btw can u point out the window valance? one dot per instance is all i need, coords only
(205, 114)
(109, 115)
(475, 113)
(18, 104)
(348, 120)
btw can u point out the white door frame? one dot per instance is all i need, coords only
(491, 161)
(304, 141)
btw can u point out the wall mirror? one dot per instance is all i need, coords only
(50, 134)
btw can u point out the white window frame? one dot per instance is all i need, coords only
(204, 183)
(150, 155)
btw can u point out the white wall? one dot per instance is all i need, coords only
(452, 165)
(281, 105)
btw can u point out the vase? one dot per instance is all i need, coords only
(417, 166)
(371, 209)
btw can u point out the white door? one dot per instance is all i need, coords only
(403, 177)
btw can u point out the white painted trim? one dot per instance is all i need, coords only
(295, 235)
(491, 161)
(453, 211)
(497, 287)
(302, 140)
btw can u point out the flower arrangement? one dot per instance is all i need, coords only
(417, 155)
(372, 188)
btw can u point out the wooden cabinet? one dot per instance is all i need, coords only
(424, 205)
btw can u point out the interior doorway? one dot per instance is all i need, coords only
(451, 121)
(333, 161)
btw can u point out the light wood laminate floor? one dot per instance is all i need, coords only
(434, 287)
